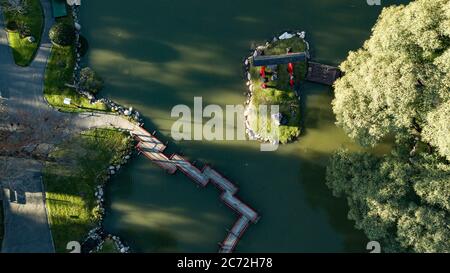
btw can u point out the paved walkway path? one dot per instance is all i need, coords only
(26, 223)
(26, 226)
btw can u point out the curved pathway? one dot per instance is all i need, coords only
(26, 223)
(27, 229)
(26, 226)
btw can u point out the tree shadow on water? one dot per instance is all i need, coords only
(319, 196)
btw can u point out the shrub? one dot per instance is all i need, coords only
(24, 30)
(90, 81)
(62, 34)
(12, 26)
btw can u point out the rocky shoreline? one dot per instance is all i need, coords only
(128, 112)
(97, 236)
(251, 134)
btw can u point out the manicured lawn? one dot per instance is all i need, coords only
(279, 92)
(81, 165)
(59, 72)
(33, 19)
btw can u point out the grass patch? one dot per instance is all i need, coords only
(59, 72)
(108, 247)
(279, 92)
(33, 20)
(279, 47)
(81, 165)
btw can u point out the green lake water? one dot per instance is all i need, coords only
(161, 53)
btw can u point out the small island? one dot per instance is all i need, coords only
(277, 83)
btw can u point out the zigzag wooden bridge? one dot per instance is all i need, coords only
(152, 148)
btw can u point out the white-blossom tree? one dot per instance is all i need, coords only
(399, 76)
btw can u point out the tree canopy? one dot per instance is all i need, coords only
(398, 84)
(400, 79)
(403, 205)
(438, 131)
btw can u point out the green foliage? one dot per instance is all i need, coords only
(108, 247)
(424, 229)
(279, 93)
(62, 34)
(399, 77)
(399, 84)
(90, 81)
(403, 204)
(433, 183)
(438, 131)
(81, 165)
(29, 22)
(58, 74)
(295, 43)
(11, 26)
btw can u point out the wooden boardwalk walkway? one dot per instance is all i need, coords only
(323, 74)
(153, 149)
(235, 234)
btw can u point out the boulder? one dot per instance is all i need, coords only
(29, 149)
(77, 26)
(44, 149)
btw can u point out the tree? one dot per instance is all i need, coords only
(403, 205)
(425, 230)
(398, 84)
(438, 131)
(433, 183)
(62, 34)
(90, 81)
(400, 76)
